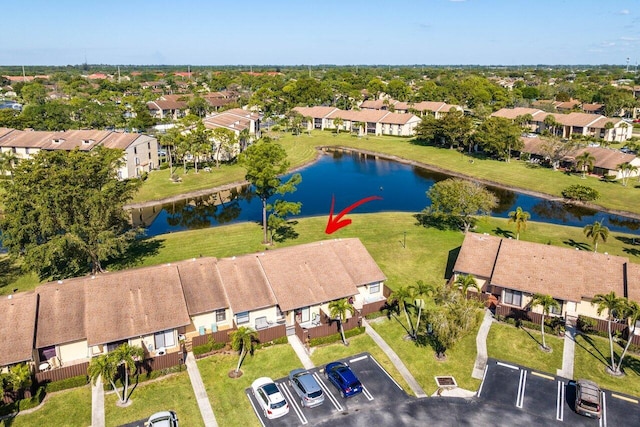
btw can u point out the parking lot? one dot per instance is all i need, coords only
(548, 398)
(378, 389)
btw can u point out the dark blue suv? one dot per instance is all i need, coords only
(343, 378)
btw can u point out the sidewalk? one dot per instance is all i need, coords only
(97, 404)
(481, 345)
(415, 387)
(568, 353)
(201, 393)
(297, 346)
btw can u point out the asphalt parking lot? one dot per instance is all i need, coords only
(548, 398)
(379, 388)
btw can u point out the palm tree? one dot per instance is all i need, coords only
(585, 162)
(420, 289)
(402, 295)
(626, 170)
(338, 310)
(126, 356)
(104, 366)
(551, 122)
(244, 137)
(595, 232)
(519, 218)
(611, 303)
(547, 302)
(466, 282)
(337, 122)
(242, 340)
(20, 378)
(8, 160)
(631, 311)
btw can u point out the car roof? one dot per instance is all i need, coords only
(308, 381)
(161, 419)
(589, 391)
(259, 382)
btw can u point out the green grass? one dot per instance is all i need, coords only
(301, 150)
(421, 361)
(67, 408)
(592, 358)
(228, 397)
(358, 344)
(522, 346)
(171, 393)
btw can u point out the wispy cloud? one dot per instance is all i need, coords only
(624, 12)
(629, 39)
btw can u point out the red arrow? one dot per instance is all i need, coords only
(335, 224)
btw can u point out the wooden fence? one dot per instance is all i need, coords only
(272, 333)
(376, 306)
(518, 314)
(62, 373)
(159, 363)
(219, 336)
(330, 327)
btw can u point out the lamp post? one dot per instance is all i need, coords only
(404, 240)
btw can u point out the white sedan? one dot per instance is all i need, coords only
(269, 398)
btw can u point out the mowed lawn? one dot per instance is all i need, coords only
(228, 396)
(173, 392)
(67, 408)
(522, 346)
(421, 360)
(593, 357)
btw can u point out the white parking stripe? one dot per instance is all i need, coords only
(384, 370)
(506, 365)
(292, 402)
(521, 387)
(483, 378)
(603, 418)
(328, 393)
(255, 410)
(560, 401)
(357, 359)
(366, 393)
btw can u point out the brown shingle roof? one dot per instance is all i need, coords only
(245, 282)
(512, 113)
(633, 282)
(477, 255)
(83, 140)
(16, 344)
(61, 312)
(119, 140)
(315, 112)
(202, 285)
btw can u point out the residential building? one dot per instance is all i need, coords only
(437, 109)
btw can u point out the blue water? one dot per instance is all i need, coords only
(349, 178)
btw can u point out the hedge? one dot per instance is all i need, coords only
(68, 383)
(335, 337)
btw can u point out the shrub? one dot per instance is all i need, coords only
(375, 315)
(580, 193)
(68, 383)
(281, 340)
(208, 347)
(329, 339)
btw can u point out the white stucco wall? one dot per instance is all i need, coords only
(71, 352)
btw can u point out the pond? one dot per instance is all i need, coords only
(350, 177)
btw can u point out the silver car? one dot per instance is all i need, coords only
(307, 388)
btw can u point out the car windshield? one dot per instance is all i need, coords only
(354, 384)
(278, 404)
(270, 388)
(315, 394)
(588, 404)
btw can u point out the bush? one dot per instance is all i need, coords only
(68, 383)
(208, 347)
(329, 339)
(375, 315)
(281, 340)
(587, 325)
(580, 193)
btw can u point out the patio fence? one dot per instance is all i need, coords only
(376, 306)
(327, 328)
(159, 363)
(518, 314)
(219, 336)
(272, 333)
(600, 325)
(62, 373)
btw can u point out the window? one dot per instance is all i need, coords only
(164, 339)
(135, 150)
(113, 345)
(149, 145)
(149, 155)
(556, 310)
(374, 288)
(26, 150)
(221, 315)
(513, 297)
(137, 161)
(242, 317)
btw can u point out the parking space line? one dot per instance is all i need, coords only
(538, 374)
(628, 399)
(357, 359)
(560, 401)
(385, 371)
(484, 375)
(521, 387)
(292, 402)
(366, 393)
(327, 392)
(255, 410)
(506, 365)
(603, 418)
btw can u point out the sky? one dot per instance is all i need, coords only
(311, 32)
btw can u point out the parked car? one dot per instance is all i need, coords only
(588, 399)
(307, 388)
(163, 419)
(343, 378)
(269, 398)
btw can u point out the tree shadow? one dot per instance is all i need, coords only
(9, 271)
(578, 245)
(593, 350)
(137, 252)
(504, 233)
(286, 232)
(629, 240)
(632, 251)
(532, 337)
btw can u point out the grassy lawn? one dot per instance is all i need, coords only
(359, 344)
(228, 399)
(422, 363)
(67, 408)
(522, 346)
(171, 393)
(301, 150)
(592, 359)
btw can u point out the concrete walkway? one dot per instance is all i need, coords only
(201, 393)
(298, 347)
(569, 351)
(97, 404)
(481, 346)
(415, 387)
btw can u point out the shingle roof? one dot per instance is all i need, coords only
(512, 113)
(121, 141)
(247, 286)
(16, 344)
(477, 255)
(315, 112)
(202, 285)
(61, 312)
(83, 140)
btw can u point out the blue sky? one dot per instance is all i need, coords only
(307, 32)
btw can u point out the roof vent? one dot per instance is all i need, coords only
(60, 282)
(93, 277)
(233, 257)
(10, 296)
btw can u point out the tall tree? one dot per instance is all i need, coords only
(551, 123)
(465, 282)
(104, 367)
(242, 340)
(265, 162)
(611, 303)
(8, 160)
(125, 357)
(63, 212)
(338, 122)
(626, 170)
(629, 310)
(338, 310)
(225, 141)
(585, 162)
(555, 149)
(546, 302)
(519, 218)
(19, 378)
(596, 231)
(499, 136)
